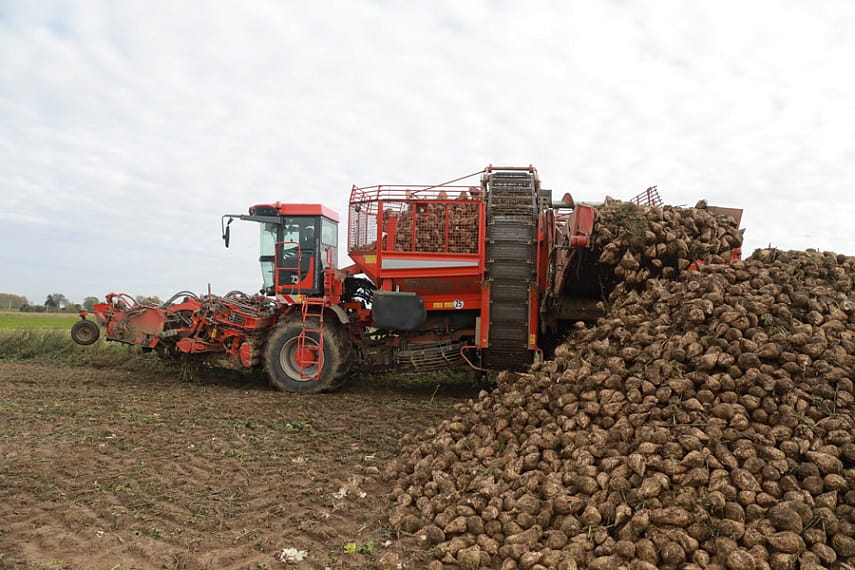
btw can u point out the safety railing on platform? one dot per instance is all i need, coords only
(649, 197)
(415, 219)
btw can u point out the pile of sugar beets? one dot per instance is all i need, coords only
(706, 422)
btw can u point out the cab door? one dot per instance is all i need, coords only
(298, 268)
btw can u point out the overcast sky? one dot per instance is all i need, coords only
(128, 128)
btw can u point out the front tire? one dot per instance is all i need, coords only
(290, 370)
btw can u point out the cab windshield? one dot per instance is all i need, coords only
(287, 251)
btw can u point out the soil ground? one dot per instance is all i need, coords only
(113, 468)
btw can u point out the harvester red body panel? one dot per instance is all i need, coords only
(422, 240)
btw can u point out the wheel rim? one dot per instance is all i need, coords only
(300, 363)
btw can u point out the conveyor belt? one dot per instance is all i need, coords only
(510, 266)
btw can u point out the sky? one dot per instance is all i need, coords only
(128, 128)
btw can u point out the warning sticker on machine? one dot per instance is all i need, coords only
(455, 304)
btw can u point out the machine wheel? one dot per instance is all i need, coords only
(347, 363)
(282, 359)
(85, 332)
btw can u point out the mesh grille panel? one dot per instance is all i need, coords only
(438, 222)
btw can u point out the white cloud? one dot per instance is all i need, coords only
(128, 128)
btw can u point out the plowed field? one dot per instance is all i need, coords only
(111, 468)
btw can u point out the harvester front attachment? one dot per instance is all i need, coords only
(186, 324)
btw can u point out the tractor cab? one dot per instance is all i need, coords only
(297, 242)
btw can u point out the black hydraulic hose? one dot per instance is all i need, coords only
(179, 294)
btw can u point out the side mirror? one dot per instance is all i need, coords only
(227, 232)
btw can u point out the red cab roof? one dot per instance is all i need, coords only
(300, 210)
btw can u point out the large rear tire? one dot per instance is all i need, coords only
(291, 371)
(85, 332)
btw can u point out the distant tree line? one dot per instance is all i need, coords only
(9, 302)
(57, 303)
